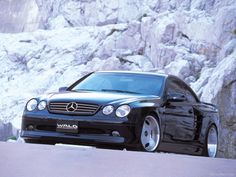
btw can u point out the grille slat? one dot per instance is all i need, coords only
(57, 108)
(53, 106)
(84, 105)
(83, 111)
(81, 108)
(92, 107)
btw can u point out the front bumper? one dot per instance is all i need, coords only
(90, 132)
(59, 137)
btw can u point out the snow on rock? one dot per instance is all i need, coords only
(42, 61)
(179, 67)
(191, 39)
(140, 61)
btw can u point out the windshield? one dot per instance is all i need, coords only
(122, 82)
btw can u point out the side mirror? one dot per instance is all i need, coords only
(176, 97)
(62, 89)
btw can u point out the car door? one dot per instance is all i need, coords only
(178, 114)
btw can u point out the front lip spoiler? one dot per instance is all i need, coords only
(61, 136)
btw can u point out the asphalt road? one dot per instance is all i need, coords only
(32, 160)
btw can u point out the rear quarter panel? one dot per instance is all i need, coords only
(207, 116)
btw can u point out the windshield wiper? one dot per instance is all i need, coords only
(83, 90)
(120, 91)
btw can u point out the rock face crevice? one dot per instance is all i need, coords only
(58, 41)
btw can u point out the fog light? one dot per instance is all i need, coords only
(30, 127)
(115, 133)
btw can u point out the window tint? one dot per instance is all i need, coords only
(122, 82)
(190, 96)
(174, 87)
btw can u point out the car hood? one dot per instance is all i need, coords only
(98, 97)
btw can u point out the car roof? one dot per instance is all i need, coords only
(135, 72)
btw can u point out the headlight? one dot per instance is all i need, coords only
(108, 109)
(123, 111)
(42, 105)
(32, 104)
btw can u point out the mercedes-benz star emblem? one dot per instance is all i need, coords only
(71, 107)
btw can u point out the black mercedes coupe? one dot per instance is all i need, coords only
(118, 109)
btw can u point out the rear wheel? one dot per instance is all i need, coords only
(211, 143)
(150, 135)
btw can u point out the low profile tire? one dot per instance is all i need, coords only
(211, 142)
(150, 135)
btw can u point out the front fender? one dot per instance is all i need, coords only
(138, 115)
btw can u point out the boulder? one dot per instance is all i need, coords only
(221, 90)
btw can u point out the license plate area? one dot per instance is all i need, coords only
(67, 126)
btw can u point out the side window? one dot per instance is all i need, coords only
(190, 96)
(175, 87)
(178, 86)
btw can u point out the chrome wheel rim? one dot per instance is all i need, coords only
(212, 142)
(150, 135)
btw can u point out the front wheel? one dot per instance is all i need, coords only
(150, 135)
(211, 143)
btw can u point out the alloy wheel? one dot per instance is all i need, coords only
(212, 141)
(150, 136)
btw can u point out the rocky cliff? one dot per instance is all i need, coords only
(194, 40)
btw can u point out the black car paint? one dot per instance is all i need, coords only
(183, 125)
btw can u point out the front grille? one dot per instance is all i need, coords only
(81, 108)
